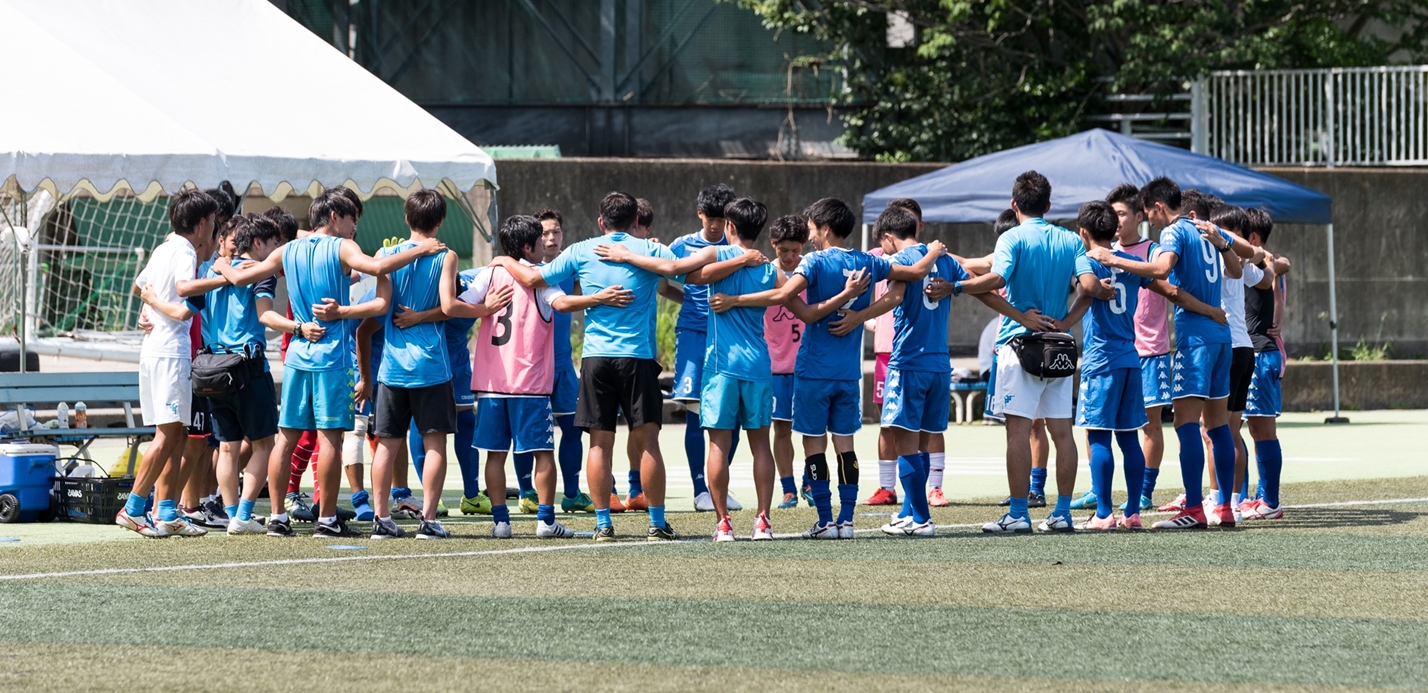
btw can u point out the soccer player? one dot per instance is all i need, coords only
(882, 329)
(691, 332)
(318, 385)
(1263, 316)
(784, 330)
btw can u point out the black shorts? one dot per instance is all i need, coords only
(433, 407)
(200, 424)
(251, 414)
(1241, 372)
(609, 386)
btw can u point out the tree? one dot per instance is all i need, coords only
(985, 75)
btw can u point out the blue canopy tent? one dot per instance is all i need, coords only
(1085, 167)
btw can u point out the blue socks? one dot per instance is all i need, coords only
(914, 487)
(467, 457)
(415, 449)
(787, 483)
(524, 463)
(1147, 488)
(1103, 467)
(134, 507)
(635, 487)
(501, 513)
(1192, 463)
(1018, 508)
(694, 451)
(1223, 447)
(1038, 480)
(847, 502)
(570, 455)
(657, 516)
(602, 518)
(245, 510)
(232, 511)
(168, 510)
(545, 513)
(1134, 465)
(1063, 506)
(1271, 460)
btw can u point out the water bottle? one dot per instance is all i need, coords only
(62, 415)
(81, 415)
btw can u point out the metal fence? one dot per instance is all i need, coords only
(1371, 116)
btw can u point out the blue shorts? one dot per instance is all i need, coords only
(728, 402)
(688, 365)
(1155, 380)
(461, 384)
(782, 396)
(523, 421)
(917, 400)
(824, 406)
(1203, 371)
(1264, 395)
(567, 390)
(317, 400)
(1111, 401)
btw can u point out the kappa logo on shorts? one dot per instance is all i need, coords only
(1062, 362)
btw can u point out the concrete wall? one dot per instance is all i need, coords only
(1362, 385)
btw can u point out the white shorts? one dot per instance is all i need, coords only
(165, 392)
(1017, 394)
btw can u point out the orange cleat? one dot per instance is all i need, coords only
(936, 499)
(882, 497)
(615, 505)
(1129, 521)
(637, 504)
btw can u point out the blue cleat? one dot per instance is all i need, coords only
(790, 500)
(1087, 500)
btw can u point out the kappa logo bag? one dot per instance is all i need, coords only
(220, 374)
(1047, 354)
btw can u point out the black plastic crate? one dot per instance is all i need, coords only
(89, 499)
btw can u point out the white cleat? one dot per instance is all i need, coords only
(1056, 523)
(911, 529)
(252, 526)
(704, 503)
(763, 531)
(724, 531)
(181, 528)
(1008, 525)
(554, 530)
(733, 504)
(143, 525)
(821, 531)
(845, 530)
(501, 530)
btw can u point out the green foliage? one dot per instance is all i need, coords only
(986, 75)
(664, 332)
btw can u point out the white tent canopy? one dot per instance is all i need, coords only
(149, 95)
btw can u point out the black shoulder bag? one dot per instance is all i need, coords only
(1046, 354)
(223, 373)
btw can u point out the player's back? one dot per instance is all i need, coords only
(694, 311)
(610, 331)
(783, 332)
(312, 268)
(230, 315)
(1109, 331)
(514, 351)
(920, 323)
(564, 352)
(1152, 311)
(414, 356)
(823, 355)
(736, 344)
(1197, 271)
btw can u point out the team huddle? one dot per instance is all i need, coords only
(772, 347)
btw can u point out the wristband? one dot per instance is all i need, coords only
(1229, 243)
(956, 288)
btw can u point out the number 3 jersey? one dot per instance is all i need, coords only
(515, 347)
(1109, 330)
(1197, 270)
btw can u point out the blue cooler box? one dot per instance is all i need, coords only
(27, 471)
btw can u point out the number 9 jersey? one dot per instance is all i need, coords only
(514, 352)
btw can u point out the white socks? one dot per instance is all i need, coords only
(887, 474)
(937, 463)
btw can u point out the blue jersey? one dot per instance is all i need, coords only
(821, 355)
(1109, 332)
(458, 330)
(1197, 270)
(920, 323)
(1038, 261)
(609, 331)
(415, 356)
(563, 359)
(230, 313)
(736, 346)
(312, 268)
(694, 312)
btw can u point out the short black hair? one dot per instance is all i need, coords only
(1260, 222)
(328, 206)
(1032, 193)
(900, 222)
(517, 232)
(748, 217)
(1192, 200)
(425, 210)
(789, 227)
(1006, 221)
(713, 199)
(1099, 220)
(619, 210)
(1231, 218)
(644, 212)
(1126, 194)
(352, 195)
(1163, 190)
(287, 223)
(550, 214)
(833, 213)
(251, 228)
(188, 209)
(227, 201)
(908, 204)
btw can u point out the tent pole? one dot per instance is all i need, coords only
(1334, 331)
(865, 238)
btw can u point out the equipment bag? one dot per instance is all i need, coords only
(1047, 354)
(220, 374)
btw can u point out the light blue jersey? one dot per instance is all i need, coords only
(415, 356)
(1197, 270)
(230, 315)
(821, 355)
(920, 323)
(1038, 261)
(563, 349)
(1109, 332)
(609, 331)
(458, 330)
(694, 312)
(313, 270)
(736, 345)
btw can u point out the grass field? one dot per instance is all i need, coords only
(1335, 596)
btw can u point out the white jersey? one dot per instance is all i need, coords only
(172, 262)
(1232, 299)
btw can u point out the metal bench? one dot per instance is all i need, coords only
(106, 389)
(964, 397)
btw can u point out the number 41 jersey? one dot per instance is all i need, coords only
(515, 348)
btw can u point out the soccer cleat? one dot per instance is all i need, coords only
(386, 529)
(665, 533)
(615, 505)
(733, 504)
(1263, 511)
(895, 525)
(280, 528)
(724, 531)
(704, 503)
(581, 503)
(763, 531)
(1129, 521)
(238, 527)
(501, 530)
(441, 510)
(637, 504)
(937, 499)
(846, 531)
(362, 504)
(407, 507)
(480, 505)
(822, 531)
(300, 507)
(1035, 500)
(1099, 524)
(432, 529)
(1189, 518)
(1175, 506)
(1004, 502)
(180, 528)
(1145, 504)
(905, 527)
(808, 496)
(1087, 500)
(215, 515)
(790, 500)
(604, 533)
(344, 514)
(530, 502)
(553, 530)
(142, 525)
(1221, 516)
(882, 496)
(334, 530)
(1056, 523)
(1008, 525)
